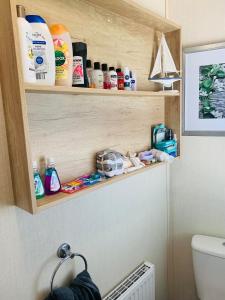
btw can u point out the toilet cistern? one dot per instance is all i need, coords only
(209, 266)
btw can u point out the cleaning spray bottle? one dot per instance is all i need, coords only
(38, 185)
(52, 182)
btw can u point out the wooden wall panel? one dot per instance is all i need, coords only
(73, 128)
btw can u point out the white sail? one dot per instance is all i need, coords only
(157, 69)
(164, 62)
(168, 65)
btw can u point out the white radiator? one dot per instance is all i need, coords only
(139, 285)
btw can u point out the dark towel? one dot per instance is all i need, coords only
(61, 294)
(82, 288)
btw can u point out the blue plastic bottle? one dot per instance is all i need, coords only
(52, 182)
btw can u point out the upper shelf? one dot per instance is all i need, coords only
(137, 13)
(88, 91)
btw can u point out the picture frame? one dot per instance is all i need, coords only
(204, 90)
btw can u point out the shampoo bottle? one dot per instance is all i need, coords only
(107, 85)
(90, 74)
(43, 50)
(120, 79)
(26, 46)
(63, 55)
(113, 78)
(38, 185)
(52, 182)
(98, 76)
(80, 78)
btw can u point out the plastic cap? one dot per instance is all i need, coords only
(111, 69)
(34, 164)
(35, 19)
(97, 65)
(118, 70)
(58, 29)
(89, 63)
(50, 161)
(104, 67)
(20, 9)
(79, 47)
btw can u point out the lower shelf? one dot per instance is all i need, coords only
(50, 201)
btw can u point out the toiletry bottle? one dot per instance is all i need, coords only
(43, 50)
(80, 78)
(106, 77)
(38, 185)
(63, 55)
(52, 182)
(98, 76)
(113, 78)
(127, 79)
(26, 46)
(133, 81)
(120, 79)
(90, 74)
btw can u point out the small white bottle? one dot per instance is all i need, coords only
(113, 79)
(98, 78)
(127, 85)
(90, 74)
(26, 46)
(133, 81)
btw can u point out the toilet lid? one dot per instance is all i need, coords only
(209, 245)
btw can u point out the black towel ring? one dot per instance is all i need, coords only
(64, 252)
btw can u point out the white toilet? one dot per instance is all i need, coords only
(209, 267)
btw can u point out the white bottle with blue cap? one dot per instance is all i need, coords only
(26, 46)
(43, 50)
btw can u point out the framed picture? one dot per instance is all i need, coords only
(204, 90)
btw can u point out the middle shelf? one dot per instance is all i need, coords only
(89, 91)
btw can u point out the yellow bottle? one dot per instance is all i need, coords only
(63, 54)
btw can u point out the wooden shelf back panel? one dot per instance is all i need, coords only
(73, 131)
(133, 11)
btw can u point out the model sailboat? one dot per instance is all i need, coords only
(164, 70)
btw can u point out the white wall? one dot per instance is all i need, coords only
(116, 228)
(198, 189)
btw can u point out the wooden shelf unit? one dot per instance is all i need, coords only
(45, 121)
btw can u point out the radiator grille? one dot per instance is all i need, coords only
(140, 275)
